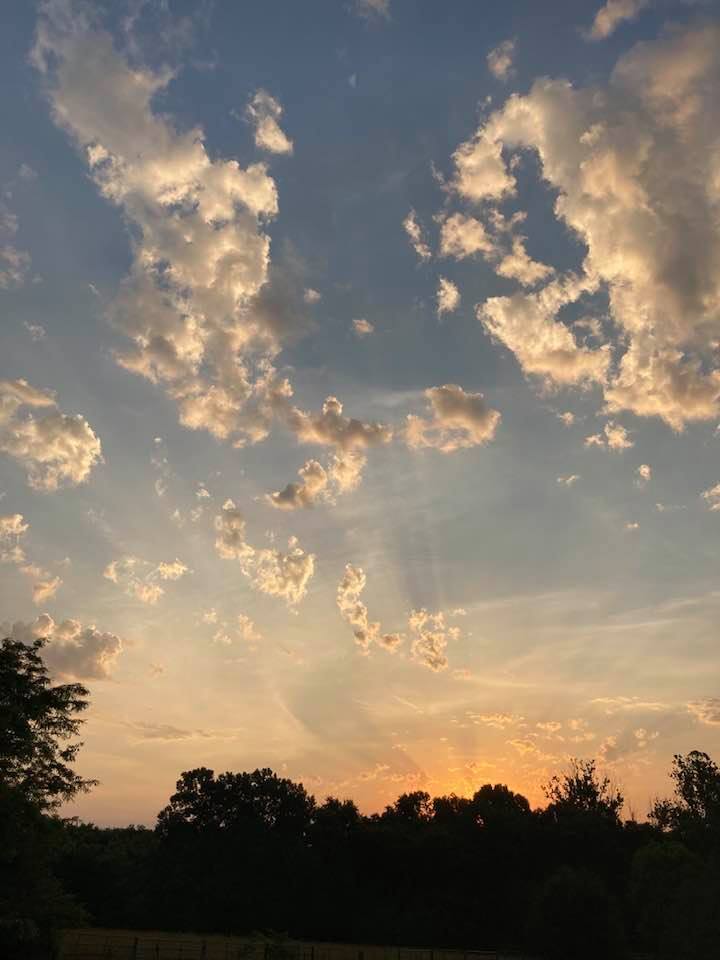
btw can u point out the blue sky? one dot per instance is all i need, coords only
(504, 549)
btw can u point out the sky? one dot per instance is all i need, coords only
(360, 388)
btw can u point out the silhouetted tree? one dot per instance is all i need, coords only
(36, 720)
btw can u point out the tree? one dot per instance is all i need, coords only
(37, 719)
(696, 807)
(580, 790)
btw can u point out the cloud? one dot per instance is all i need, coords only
(525, 323)
(612, 14)
(264, 112)
(497, 720)
(354, 612)
(312, 296)
(370, 9)
(414, 231)
(284, 575)
(14, 263)
(244, 629)
(459, 420)
(643, 475)
(312, 488)
(12, 530)
(712, 496)
(462, 236)
(517, 265)
(362, 327)
(614, 437)
(570, 480)
(567, 418)
(36, 330)
(73, 650)
(191, 304)
(55, 449)
(634, 170)
(45, 590)
(447, 296)
(706, 711)
(500, 60)
(139, 577)
(431, 636)
(634, 525)
(622, 704)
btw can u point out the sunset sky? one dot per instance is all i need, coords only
(360, 387)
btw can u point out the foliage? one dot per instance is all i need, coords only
(36, 719)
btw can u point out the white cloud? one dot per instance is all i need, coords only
(569, 480)
(447, 296)
(45, 589)
(415, 234)
(139, 577)
(431, 636)
(706, 711)
(264, 113)
(73, 650)
(55, 449)
(284, 575)
(644, 475)
(14, 263)
(613, 437)
(191, 304)
(331, 428)
(567, 418)
(354, 612)
(362, 327)
(462, 236)
(459, 420)
(634, 525)
(637, 181)
(612, 14)
(312, 296)
(500, 60)
(712, 496)
(517, 265)
(312, 488)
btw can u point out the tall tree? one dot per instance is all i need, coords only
(37, 719)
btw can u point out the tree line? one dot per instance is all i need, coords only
(241, 853)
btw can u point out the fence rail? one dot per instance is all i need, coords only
(91, 944)
(94, 944)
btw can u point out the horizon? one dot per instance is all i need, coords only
(360, 389)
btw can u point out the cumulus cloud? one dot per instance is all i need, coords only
(462, 236)
(458, 420)
(73, 650)
(613, 437)
(643, 475)
(635, 170)
(264, 113)
(706, 711)
(567, 418)
(500, 60)
(355, 613)
(191, 305)
(612, 14)
(447, 296)
(139, 578)
(312, 488)
(362, 327)
(54, 448)
(712, 497)
(12, 530)
(431, 635)
(277, 574)
(416, 236)
(242, 629)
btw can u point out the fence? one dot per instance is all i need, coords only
(90, 944)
